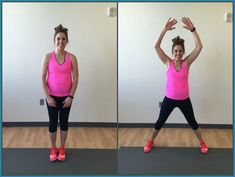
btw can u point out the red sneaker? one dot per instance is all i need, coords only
(53, 154)
(61, 156)
(204, 148)
(148, 146)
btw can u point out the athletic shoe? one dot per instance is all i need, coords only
(148, 146)
(61, 156)
(53, 155)
(204, 148)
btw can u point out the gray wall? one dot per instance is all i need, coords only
(28, 30)
(141, 74)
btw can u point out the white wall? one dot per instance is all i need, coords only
(28, 30)
(28, 35)
(141, 74)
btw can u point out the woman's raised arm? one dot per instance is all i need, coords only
(168, 26)
(198, 44)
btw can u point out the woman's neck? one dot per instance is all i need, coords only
(59, 52)
(178, 61)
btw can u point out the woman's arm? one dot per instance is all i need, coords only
(198, 44)
(75, 74)
(168, 26)
(50, 100)
(68, 101)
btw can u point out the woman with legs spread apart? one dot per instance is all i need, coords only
(59, 80)
(177, 85)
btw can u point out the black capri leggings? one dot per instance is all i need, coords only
(58, 110)
(167, 107)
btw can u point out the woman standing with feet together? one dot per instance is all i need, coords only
(60, 80)
(177, 85)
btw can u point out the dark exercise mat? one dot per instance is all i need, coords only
(174, 161)
(35, 161)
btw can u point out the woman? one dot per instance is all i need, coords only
(177, 87)
(60, 80)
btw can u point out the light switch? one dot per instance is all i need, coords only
(112, 11)
(228, 17)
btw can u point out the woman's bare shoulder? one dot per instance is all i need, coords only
(47, 57)
(72, 57)
(168, 62)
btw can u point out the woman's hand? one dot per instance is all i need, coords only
(51, 102)
(67, 102)
(188, 23)
(198, 44)
(170, 24)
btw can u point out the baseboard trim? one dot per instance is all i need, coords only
(174, 125)
(114, 125)
(71, 124)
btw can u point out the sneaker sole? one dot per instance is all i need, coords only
(204, 152)
(61, 158)
(52, 160)
(147, 150)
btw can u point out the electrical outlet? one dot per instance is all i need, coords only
(160, 104)
(41, 102)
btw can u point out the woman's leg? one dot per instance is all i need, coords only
(64, 116)
(198, 134)
(63, 137)
(53, 139)
(167, 107)
(154, 134)
(187, 109)
(53, 120)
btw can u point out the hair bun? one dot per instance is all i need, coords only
(60, 28)
(177, 40)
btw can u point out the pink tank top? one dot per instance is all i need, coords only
(177, 86)
(59, 78)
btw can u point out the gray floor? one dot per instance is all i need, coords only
(125, 161)
(32, 161)
(174, 161)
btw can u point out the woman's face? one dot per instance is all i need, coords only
(60, 41)
(178, 52)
